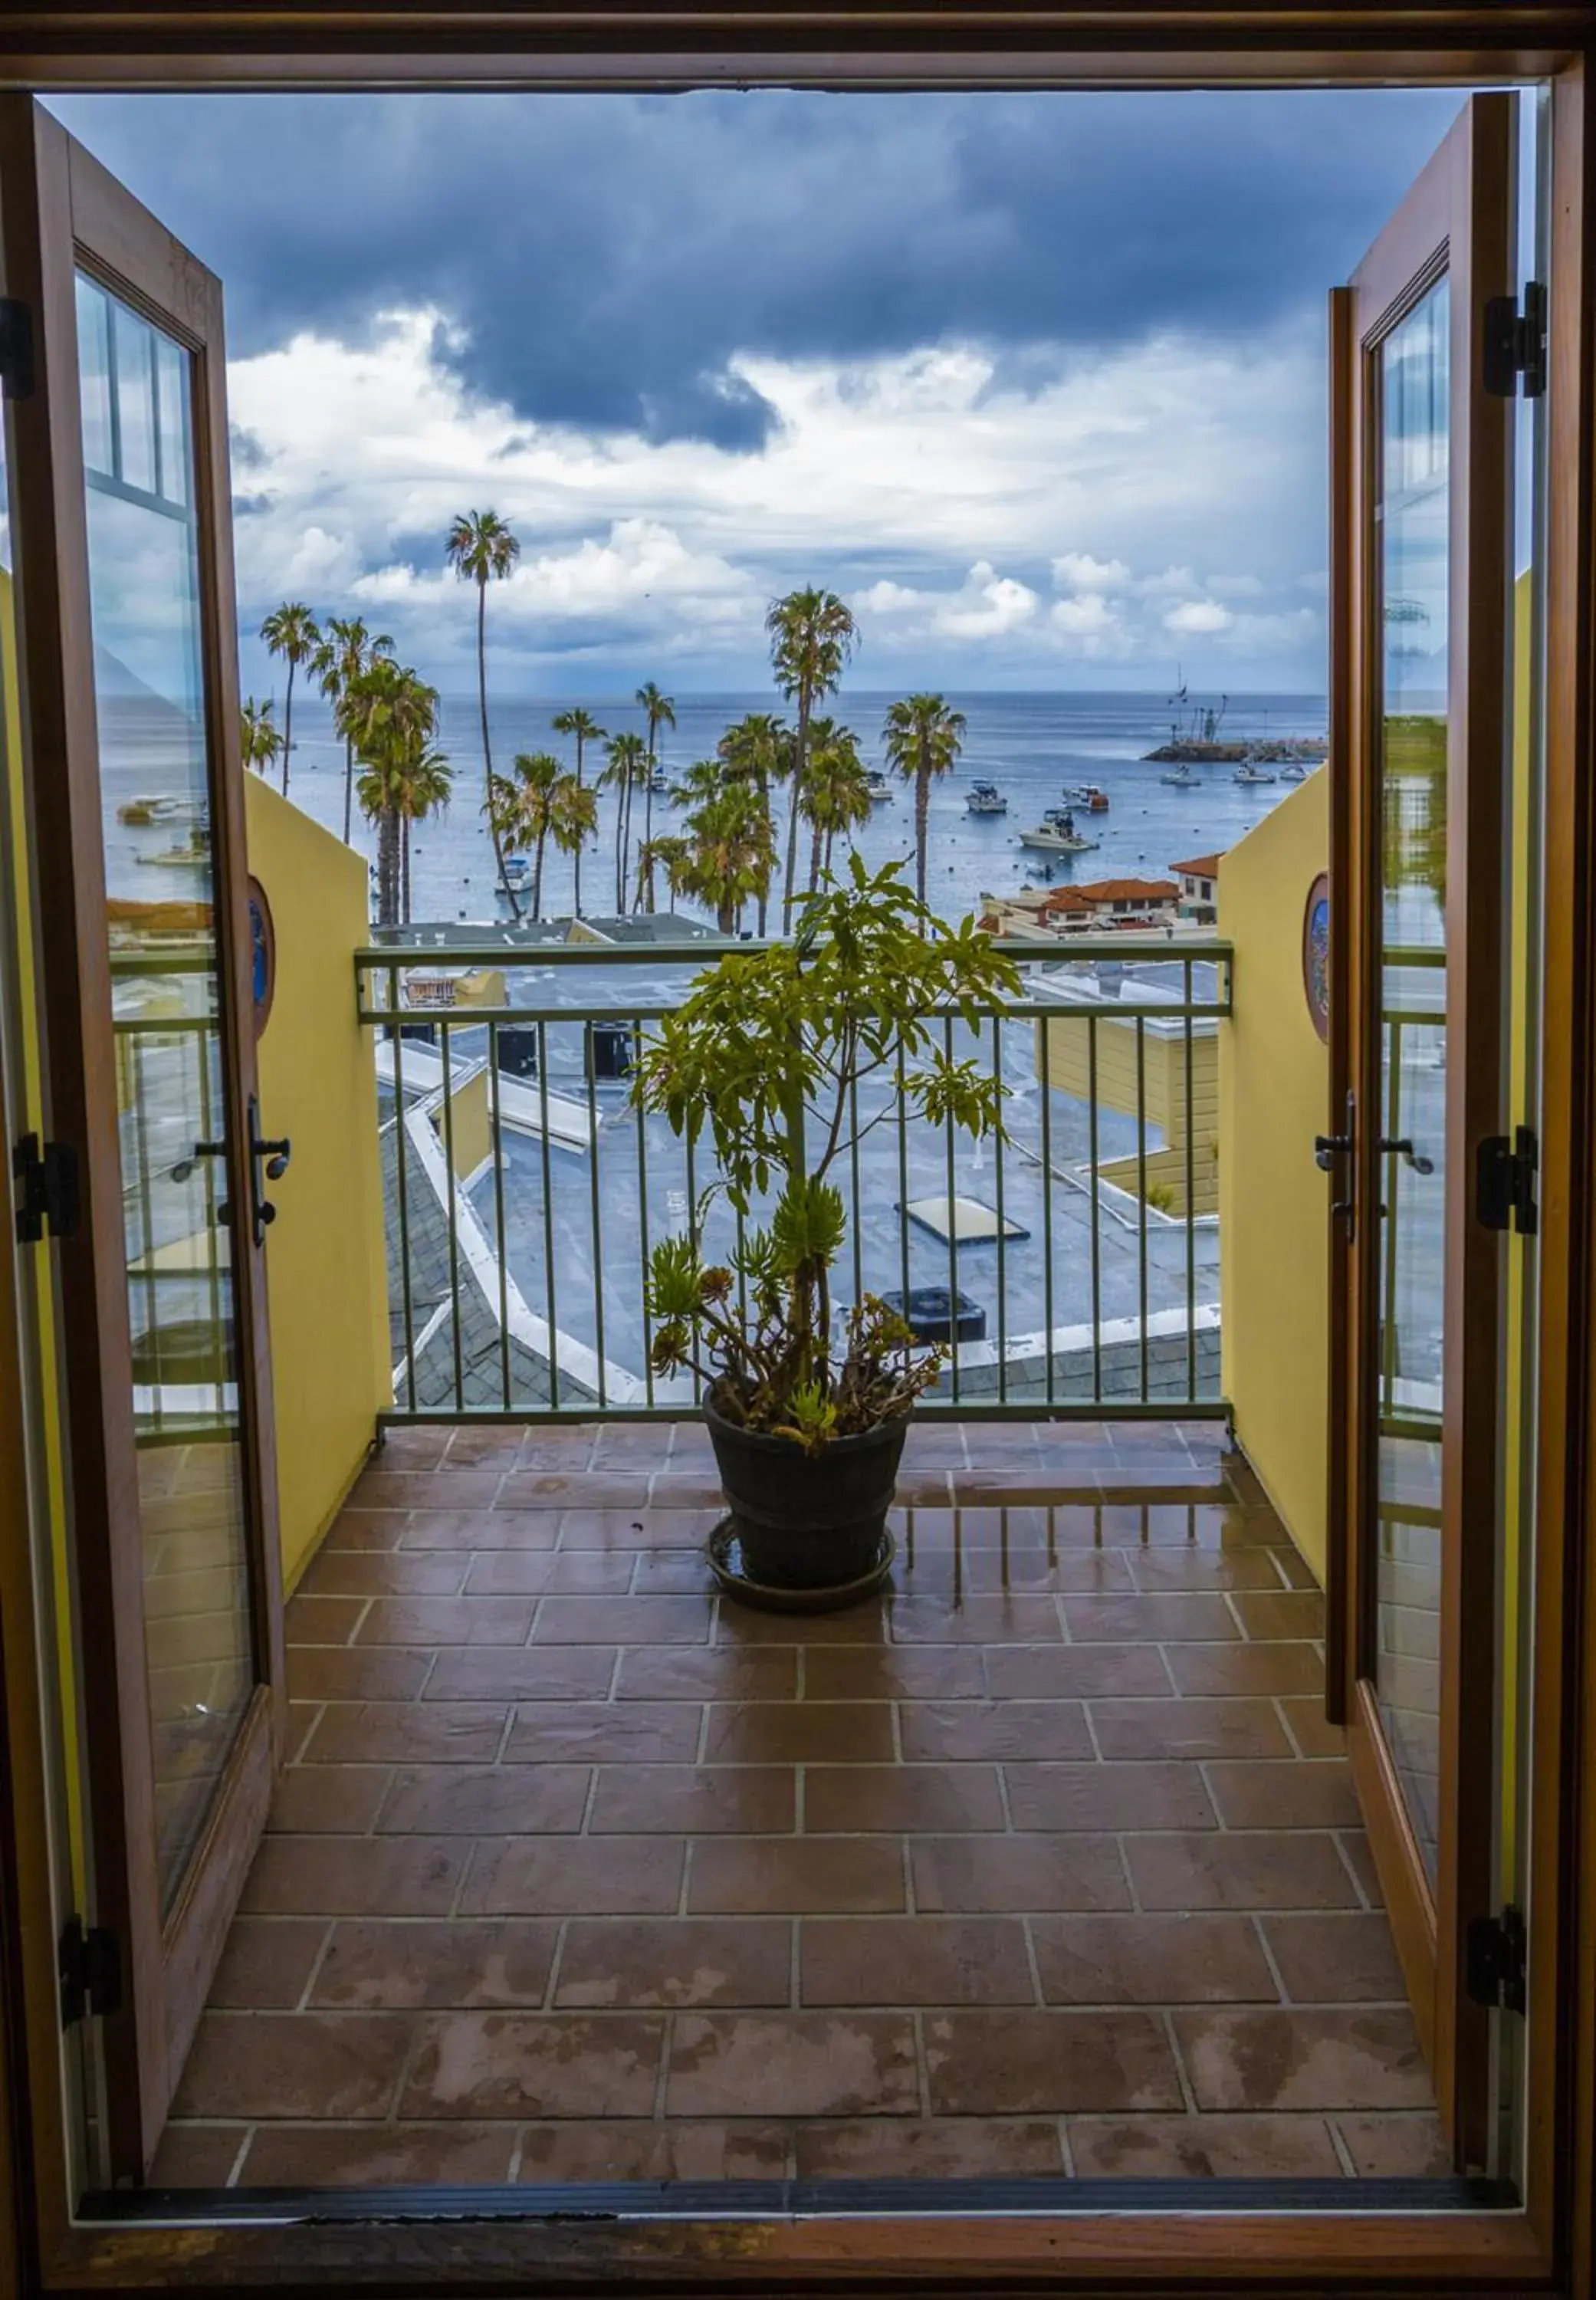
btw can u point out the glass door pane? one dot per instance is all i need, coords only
(137, 386)
(1412, 555)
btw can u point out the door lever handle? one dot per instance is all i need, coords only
(1326, 1149)
(1403, 1148)
(276, 1156)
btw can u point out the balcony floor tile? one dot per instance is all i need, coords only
(1044, 1862)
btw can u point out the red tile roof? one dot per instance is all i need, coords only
(1206, 866)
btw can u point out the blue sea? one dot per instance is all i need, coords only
(1030, 745)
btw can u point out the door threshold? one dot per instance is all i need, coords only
(1044, 2196)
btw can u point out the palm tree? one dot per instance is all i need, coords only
(481, 550)
(661, 713)
(290, 630)
(344, 651)
(812, 636)
(259, 738)
(627, 756)
(538, 775)
(923, 739)
(422, 786)
(390, 715)
(730, 852)
(760, 749)
(573, 820)
(666, 856)
(836, 792)
(586, 729)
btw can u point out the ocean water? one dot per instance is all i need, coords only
(1030, 745)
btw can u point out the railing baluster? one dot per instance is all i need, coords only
(947, 1041)
(1191, 1202)
(495, 1143)
(858, 1223)
(693, 1239)
(402, 1160)
(590, 1049)
(902, 1182)
(1092, 1148)
(548, 1211)
(648, 1325)
(1002, 1268)
(1142, 1188)
(1043, 1029)
(451, 1185)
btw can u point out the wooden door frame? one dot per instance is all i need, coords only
(81, 209)
(1454, 222)
(376, 42)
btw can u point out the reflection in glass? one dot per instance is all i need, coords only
(1414, 534)
(149, 696)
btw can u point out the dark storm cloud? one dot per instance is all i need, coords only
(608, 256)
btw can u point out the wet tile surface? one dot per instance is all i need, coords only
(1047, 1864)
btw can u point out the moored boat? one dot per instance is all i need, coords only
(985, 798)
(880, 788)
(1182, 779)
(1056, 834)
(1251, 773)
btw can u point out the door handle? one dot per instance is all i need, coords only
(276, 1156)
(1328, 1148)
(1404, 1149)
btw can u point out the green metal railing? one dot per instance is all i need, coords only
(518, 1285)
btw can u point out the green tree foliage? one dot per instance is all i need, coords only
(766, 1057)
(260, 737)
(342, 653)
(922, 739)
(290, 630)
(812, 638)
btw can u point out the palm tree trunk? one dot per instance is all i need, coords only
(488, 763)
(576, 856)
(404, 868)
(922, 809)
(537, 876)
(764, 782)
(814, 858)
(387, 870)
(800, 756)
(348, 786)
(287, 726)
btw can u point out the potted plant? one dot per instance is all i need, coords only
(807, 1412)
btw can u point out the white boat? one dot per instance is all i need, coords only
(1249, 773)
(1091, 795)
(985, 798)
(1056, 834)
(880, 788)
(1293, 774)
(518, 872)
(1181, 777)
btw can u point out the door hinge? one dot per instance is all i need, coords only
(1495, 1959)
(1505, 1181)
(1513, 344)
(16, 349)
(90, 1963)
(46, 1174)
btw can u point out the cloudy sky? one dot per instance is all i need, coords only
(1035, 382)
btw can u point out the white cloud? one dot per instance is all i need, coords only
(1077, 570)
(1198, 619)
(1156, 461)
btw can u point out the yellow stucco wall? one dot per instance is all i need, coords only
(1274, 1092)
(327, 1281)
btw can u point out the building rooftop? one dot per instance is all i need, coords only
(1203, 866)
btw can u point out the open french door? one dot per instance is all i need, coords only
(1421, 760)
(123, 553)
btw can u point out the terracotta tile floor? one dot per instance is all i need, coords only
(1048, 1864)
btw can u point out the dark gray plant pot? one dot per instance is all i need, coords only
(808, 1520)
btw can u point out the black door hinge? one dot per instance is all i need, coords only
(1505, 1181)
(16, 349)
(90, 1963)
(1513, 344)
(1495, 1958)
(46, 1174)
